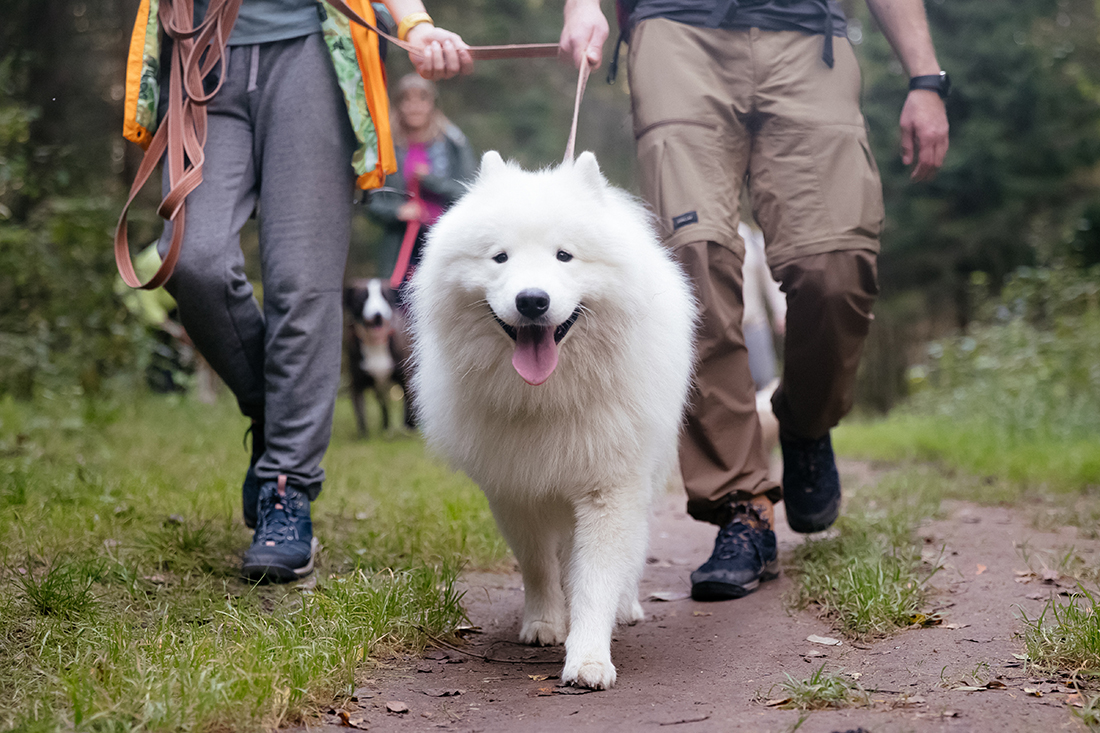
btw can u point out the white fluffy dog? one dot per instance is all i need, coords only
(552, 355)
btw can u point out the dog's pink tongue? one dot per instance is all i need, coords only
(536, 354)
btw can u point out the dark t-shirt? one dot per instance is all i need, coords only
(264, 21)
(806, 16)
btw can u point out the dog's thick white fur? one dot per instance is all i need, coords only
(570, 452)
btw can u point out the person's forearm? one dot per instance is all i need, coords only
(402, 8)
(906, 28)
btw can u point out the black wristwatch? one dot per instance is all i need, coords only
(939, 83)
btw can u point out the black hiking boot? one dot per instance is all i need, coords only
(283, 545)
(745, 554)
(811, 484)
(250, 489)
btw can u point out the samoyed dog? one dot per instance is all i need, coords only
(552, 351)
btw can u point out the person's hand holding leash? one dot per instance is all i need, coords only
(436, 53)
(442, 54)
(923, 133)
(584, 33)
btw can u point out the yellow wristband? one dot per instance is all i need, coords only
(409, 22)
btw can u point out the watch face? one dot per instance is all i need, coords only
(945, 84)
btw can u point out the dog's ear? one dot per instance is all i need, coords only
(491, 165)
(589, 171)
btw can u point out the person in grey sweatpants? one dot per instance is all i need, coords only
(280, 142)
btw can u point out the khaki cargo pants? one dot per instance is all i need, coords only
(717, 109)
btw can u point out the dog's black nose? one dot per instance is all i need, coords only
(532, 303)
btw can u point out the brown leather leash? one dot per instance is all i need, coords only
(196, 50)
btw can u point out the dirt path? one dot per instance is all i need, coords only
(707, 667)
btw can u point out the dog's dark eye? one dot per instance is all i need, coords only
(500, 258)
(564, 256)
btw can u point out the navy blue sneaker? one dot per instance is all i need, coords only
(250, 489)
(811, 484)
(283, 545)
(745, 554)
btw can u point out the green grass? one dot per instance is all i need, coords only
(820, 691)
(1066, 635)
(120, 539)
(979, 447)
(867, 577)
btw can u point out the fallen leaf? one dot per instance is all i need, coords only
(949, 714)
(968, 688)
(925, 619)
(814, 654)
(1020, 656)
(1033, 691)
(955, 626)
(543, 692)
(855, 675)
(995, 685)
(463, 631)
(345, 719)
(567, 690)
(1026, 579)
(395, 706)
(701, 613)
(358, 721)
(442, 693)
(981, 569)
(361, 693)
(542, 677)
(827, 641)
(777, 702)
(700, 719)
(668, 595)
(1024, 573)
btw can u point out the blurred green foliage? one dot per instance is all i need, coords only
(1029, 365)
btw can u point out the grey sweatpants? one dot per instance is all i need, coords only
(279, 136)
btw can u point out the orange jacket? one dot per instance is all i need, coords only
(355, 57)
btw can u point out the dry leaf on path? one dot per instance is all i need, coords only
(567, 690)
(777, 702)
(700, 613)
(954, 626)
(1033, 691)
(542, 677)
(448, 692)
(827, 641)
(668, 595)
(396, 706)
(463, 631)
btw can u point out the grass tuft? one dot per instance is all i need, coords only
(820, 691)
(867, 577)
(1066, 636)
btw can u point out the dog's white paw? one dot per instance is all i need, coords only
(631, 613)
(591, 672)
(542, 633)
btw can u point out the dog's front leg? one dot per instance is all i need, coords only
(535, 530)
(608, 554)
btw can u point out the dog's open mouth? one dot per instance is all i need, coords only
(536, 354)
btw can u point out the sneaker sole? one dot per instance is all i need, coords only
(273, 573)
(808, 524)
(714, 591)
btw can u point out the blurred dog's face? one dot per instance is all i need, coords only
(371, 305)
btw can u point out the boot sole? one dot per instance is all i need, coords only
(276, 573)
(810, 523)
(711, 590)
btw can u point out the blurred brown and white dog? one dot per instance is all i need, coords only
(377, 348)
